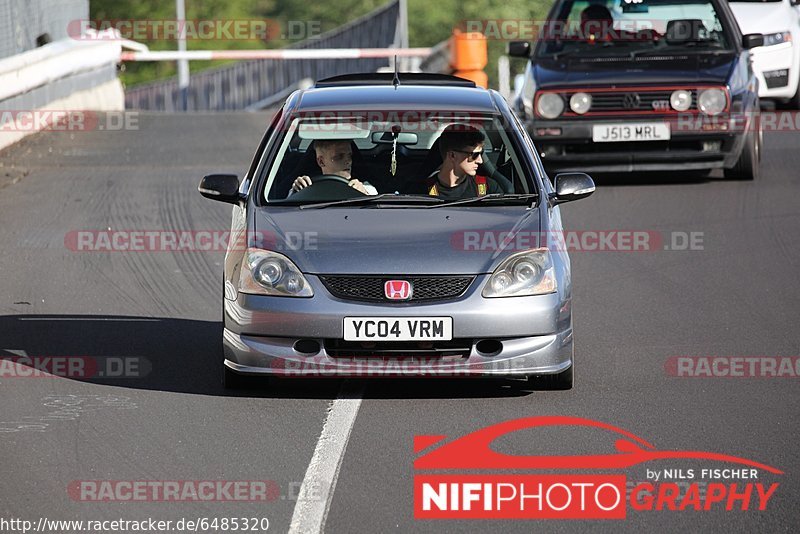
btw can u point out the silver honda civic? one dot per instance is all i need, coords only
(397, 226)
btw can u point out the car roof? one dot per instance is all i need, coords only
(377, 92)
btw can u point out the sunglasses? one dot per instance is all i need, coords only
(472, 155)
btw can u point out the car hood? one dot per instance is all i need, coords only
(762, 17)
(664, 70)
(394, 241)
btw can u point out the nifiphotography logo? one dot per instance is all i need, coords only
(488, 485)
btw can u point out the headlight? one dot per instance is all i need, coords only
(550, 105)
(711, 101)
(580, 103)
(772, 39)
(269, 273)
(526, 273)
(681, 100)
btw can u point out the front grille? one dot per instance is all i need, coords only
(633, 100)
(457, 348)
(616, 101)
(370, 288)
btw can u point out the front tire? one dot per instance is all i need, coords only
(794, 102)
(558, 382)
(746, 167)
(233, 380)
(230, 379)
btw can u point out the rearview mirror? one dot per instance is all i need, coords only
(403, 138)
(222, 187)
(752, 40)
(519, 49)
(572, 186)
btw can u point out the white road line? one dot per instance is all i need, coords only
(319, 483)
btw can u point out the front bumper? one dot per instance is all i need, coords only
(768, 63)
(696, 142)
(261, 333)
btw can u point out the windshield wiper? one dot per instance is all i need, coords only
(697, 42)
(392, 197)
(565, 53)
(485, 198)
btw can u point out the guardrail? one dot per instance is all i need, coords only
(27, 71)
(67, 75)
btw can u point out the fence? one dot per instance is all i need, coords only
(243, 84)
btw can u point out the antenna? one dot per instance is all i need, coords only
(396, 79)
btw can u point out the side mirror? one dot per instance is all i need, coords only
(571, 186)
(519, 49)
(752, 40)
(222, 187)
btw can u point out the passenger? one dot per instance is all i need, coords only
(334, 156)
(461, 147)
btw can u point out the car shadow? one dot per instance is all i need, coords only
(184, 356)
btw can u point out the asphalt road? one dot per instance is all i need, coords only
(738, 296)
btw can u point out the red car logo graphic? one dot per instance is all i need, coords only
(397, 289)
(474, 451)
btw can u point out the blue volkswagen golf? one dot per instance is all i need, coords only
(642, 85)
(396, 225)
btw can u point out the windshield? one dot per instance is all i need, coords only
(403, 159)
(613, 27)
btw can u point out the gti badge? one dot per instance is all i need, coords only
(661, 105)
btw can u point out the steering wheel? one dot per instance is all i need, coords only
(327, 187)
(329, 178)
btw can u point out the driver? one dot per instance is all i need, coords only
(335, 156)
(597, 23)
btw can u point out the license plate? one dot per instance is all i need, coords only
(398, 328)
(643, 131)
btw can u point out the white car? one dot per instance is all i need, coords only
(777, 63)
